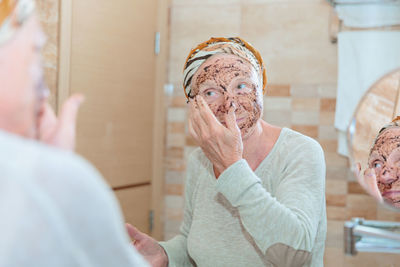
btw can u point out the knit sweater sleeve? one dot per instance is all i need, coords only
(176, 248)
(289, 219)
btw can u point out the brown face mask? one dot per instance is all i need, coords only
(385, 160)
(227, 80)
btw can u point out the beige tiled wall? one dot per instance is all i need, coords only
(293, 39)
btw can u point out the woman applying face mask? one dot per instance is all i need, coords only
(255, 193)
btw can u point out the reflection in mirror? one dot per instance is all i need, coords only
(375, 144)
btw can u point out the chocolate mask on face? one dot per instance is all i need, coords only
(385, 160)
(225, 80)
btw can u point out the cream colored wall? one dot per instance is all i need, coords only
(293, 38)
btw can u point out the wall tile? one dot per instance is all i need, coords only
(179, 101)
(335, 172)
(336, 187)
(309, 130)
(362, 206)
(336, 160)
(336, 200)
(334, 237)
(176, 127)
(174, 177)
(355, 188)
(191, 25)
(304, 90)
(174, 152)
(327, 118)
(175, 140)
(204, 2)
(175, 202)
(176, 114)
(305, 117)
(278, 90)
(333, 257)
(305, 104)
(328, 104)
(293, 39)
(336, 213)
(329, 145)
(327, 132)
(277, 103)
(278, 117)
(174, 214)
(174, 189)
(327, 90)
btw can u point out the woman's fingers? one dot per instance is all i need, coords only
(47, 123)
(65, 132)
(206, 113)
(194, 129)
(134, 233)
(230, 119)
(371, 183)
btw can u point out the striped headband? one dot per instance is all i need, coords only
(395, 123)
(13, 14)
(234, 46)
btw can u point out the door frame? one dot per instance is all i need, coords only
(63, 92)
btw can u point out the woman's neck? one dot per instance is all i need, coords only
(259, 143)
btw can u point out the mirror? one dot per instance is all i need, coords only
(374, 140)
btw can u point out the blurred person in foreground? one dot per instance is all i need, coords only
(55, 209)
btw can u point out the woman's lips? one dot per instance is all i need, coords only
(391, 194)
(237, 120)
(240, 119)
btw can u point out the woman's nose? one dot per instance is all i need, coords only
(388, 175)
(229, 102)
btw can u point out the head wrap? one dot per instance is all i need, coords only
(13, 14)
(234, 46)
(395, 123)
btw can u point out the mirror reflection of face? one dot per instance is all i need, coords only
(385, 160)
(225, 80)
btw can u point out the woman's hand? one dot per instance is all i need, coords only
(60, 132)
(223, 146)
(368, 182)
(148, 247)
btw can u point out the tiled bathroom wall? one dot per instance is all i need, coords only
(293, 38)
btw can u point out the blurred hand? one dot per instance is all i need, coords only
(222, 145)
(60, 132)
(148, 247)
(368, 182)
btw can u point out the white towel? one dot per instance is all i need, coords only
(369, 15)
(364, 57)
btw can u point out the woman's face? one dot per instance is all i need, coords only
(385, 160)
(224, 80)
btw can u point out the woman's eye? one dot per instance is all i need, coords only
(377, 165)
(210, 93)
(241, 86)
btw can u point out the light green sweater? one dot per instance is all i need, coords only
(274, 216)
